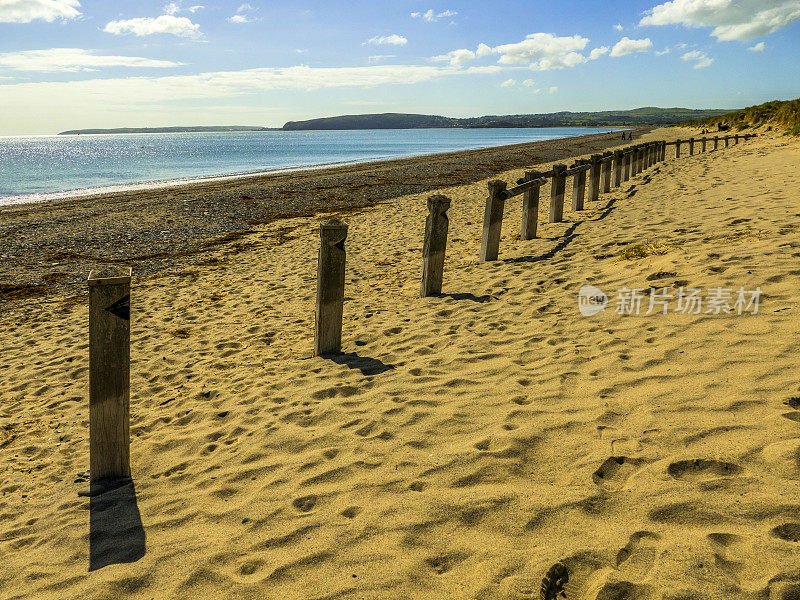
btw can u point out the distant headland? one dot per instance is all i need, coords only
(608, 118)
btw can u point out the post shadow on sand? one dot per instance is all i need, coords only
(367, 366)
(116, 534)
(569, 235)
(467, 296)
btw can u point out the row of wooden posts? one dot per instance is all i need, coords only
(109, 295)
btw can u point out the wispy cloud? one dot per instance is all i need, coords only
(379, 57)
(387, 40)
(244, 14)
(167, 24)
(430, 16)
(628, 46)
(74, 60)
(509, 83)
(553, 89)
(730, 19)
(25, 11)
(618, 27)
(701, 59)
(598, 52)
(759, 47)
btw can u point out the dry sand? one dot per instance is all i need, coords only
(465, 444)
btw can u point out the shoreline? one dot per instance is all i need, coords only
(49, 247)
(160, 184)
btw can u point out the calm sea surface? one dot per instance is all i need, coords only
(40, 168)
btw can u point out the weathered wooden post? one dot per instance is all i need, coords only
(594, 177)
(579, 187)
(703, 145)
(716, 142)
(433, 249)
(627, 153)
(530, 208)
(330, 288)
(558, 184)
(727, 140)
(493, 221)
(639, 158)
(617, 168)
(109, 375)
(677, 148)
(605, 182)
(691, 146)
(736, 140)
(651, 154)
(663, 150)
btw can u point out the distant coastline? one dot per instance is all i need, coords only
(199, 129)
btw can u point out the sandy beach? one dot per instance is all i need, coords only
(463, 445)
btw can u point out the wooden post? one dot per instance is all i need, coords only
(557, 187)
(594, 178)
(716, 142)
(727, 140)
(330, 288)
(691, 146)
(703, 146)
(617, 168)
(663, 151)
(639, 158)
(530, 208)
(109, 375)
(649, 155)
(579, 187)
(677, 148)
(606, 179)
(627, 153)
(493, 221)
(736, 140)
(433, 250)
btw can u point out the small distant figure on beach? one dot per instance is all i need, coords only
(623, 135)
(630, 135)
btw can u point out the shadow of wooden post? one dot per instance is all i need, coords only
(433, 249)
(530, 208)
(116, 534)
(330, 288)
(558, 184)
(493, 221)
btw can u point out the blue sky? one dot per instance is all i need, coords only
(68, 64)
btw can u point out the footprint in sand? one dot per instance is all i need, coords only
(636, 558)
(701, 469)
(789, 532)
(615, 471)
(720, 543)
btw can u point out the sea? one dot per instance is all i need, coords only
(51, 167)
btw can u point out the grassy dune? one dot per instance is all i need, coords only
(784, 114)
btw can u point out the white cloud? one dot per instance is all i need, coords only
(628, 46)
(618, 27)
(242, 15)
(759, 47)
(379, 57)
(180, 26)
(429, 16)
(598, 52)
(483, 50)
(456, 58)
(731, 19)
(543, 51)
(553, 89)
(528, 83)
(701, 59)
(25, 11)
(194, 9)
(73, 60)
(171, 9)
(509, 83)
(141, 93)
(662, 52)
(390, 40)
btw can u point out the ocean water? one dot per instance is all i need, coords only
(38, 168)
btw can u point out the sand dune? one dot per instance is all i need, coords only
(463, 445)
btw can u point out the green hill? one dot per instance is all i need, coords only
(780, 113)
(610, 118)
